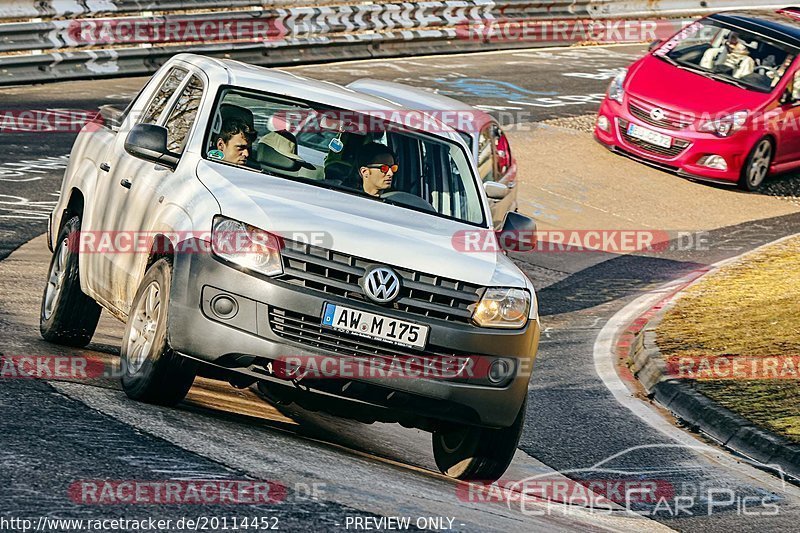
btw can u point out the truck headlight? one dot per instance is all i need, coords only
(246, 246)
(617, 90)
(503, 308)
(726, 125)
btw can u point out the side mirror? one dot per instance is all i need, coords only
(495, 190)
(518, 233)
(654, 45)
(149, 142)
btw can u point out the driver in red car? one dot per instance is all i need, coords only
(733, 56)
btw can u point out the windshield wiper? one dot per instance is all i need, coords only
(726, 79)
(671, 61)
(681, 65)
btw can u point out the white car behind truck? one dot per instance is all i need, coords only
(319, 270)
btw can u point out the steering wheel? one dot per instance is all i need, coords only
(766, 71)
(406, 198)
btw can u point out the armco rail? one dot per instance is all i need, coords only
(62, 39)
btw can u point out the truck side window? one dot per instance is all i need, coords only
(183, 114)
(486, 154)
(159, 101)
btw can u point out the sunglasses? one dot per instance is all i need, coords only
(386, 168)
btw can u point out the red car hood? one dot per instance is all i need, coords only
(657, 82)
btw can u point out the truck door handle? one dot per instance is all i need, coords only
(125, 182)
(105, 167)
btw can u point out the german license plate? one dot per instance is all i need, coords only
(372, 326)
(653, 137)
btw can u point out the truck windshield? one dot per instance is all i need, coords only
(359, 153)
(728, 54)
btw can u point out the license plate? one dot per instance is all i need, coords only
(372, 326)
(653, 137)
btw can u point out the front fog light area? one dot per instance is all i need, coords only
(603, 123)
(499, 371)
(503, 308)
(713, 161)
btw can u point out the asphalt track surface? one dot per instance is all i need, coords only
(54, 433)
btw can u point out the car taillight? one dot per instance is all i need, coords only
(503, 154)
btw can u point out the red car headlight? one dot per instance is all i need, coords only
(725, 126)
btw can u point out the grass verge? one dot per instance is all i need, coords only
(749, 313)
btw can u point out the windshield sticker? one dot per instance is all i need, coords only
(216, 154)
(670, 45)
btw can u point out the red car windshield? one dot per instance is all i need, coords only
(728, 54)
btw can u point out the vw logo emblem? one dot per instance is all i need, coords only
(381, 285)
(657, 114)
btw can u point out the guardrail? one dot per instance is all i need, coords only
(83, 39)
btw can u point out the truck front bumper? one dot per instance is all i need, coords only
(248, 340)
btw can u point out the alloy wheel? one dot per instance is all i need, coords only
(144, 327)
(759, 164)
(55, 281)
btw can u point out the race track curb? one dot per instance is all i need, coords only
(636, 345)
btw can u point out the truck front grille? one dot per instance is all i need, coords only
(307, 331)
(335, 273)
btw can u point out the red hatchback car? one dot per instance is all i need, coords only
(719, 101)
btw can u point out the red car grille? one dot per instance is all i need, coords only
(671, 120)
(677, 148)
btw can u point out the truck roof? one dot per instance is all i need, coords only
(280, 82)
(417, 98)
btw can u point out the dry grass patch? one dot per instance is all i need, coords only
(748, 309)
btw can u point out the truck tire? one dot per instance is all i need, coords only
(471, 453)
(67, 315)
(151, 371)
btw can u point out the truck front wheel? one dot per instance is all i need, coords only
(151, 371)
(471, 453)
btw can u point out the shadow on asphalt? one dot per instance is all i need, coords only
(629, 275)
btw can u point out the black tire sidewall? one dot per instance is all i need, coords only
(485, 453)
(75, 315)
(145, 379)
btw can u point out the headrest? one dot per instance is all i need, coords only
(278, 149)
(234, 111)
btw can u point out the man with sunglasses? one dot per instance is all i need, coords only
(376, 166)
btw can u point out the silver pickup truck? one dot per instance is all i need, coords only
(299, 238)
